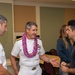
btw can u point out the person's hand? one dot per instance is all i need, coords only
(63, 64)
(64, 67)
(55, 62)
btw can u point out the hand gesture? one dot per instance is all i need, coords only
(54, 62)
(64, 67)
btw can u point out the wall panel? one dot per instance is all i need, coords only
(69, 14)
(7, 39)
(51, 20)
(23, 14)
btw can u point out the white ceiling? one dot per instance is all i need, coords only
(51, 1)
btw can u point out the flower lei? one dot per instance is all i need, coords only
(25, 50)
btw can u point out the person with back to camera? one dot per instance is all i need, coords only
(3, 29)
(64, 47)
(70, 69)
(30, 50)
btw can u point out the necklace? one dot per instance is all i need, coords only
(25, 50)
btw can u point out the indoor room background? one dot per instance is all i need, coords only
(49, 20)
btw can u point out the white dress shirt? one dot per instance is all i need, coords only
(24, 60)
(2, 57)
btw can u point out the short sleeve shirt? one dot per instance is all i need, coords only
(2, 57)
(24, 60)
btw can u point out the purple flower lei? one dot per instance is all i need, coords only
(25, 50)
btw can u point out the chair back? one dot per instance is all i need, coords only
(53, 52)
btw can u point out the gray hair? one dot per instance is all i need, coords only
(2, 19)
(30, 24)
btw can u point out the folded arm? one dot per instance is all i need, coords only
(67, 69)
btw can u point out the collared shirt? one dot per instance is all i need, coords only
(2, 57)
(24, 60)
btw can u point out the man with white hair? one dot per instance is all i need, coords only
(30, 51)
